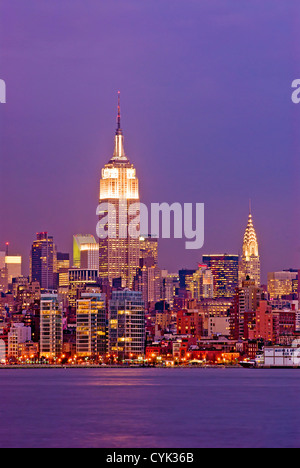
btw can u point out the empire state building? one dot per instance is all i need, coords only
(119, 191)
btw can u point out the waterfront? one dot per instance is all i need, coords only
(155, 408)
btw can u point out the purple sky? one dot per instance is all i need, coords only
(206, 112)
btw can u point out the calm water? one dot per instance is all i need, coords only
(155, 408)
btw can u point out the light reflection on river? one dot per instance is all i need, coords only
(155, 408)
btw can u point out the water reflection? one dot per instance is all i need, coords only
(156, 408)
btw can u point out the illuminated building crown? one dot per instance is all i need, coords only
(250, 244)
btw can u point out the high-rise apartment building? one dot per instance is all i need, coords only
(91, 325)
(225, 273)
(249, 266)
(126, 322)
(249, 297)
(51, 328)
(119, 249)
(43, 263)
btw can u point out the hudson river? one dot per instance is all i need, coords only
(149, 408)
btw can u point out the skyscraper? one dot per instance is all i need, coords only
(250, 263)
(149, 248)
(119, 189)
(244, 307)
(85, 251)
(148, 277)
(43, 261)
(225, 273)
(91, 325)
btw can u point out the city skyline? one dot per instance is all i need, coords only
(179, 134)
(119, 157)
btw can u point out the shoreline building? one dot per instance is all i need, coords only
(249, 267)
(119, 251)
(91, 329)
(126, 324)
(51, 327)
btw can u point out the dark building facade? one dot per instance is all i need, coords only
(43, 261)
(225, 270)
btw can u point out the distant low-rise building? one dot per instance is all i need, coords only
(282, 283)
(219, 326)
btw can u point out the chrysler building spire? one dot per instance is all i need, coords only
(250, 262)
(250, 244)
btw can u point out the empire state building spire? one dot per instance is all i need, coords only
(119, 153)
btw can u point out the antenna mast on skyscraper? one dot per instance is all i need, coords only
(119, 112)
